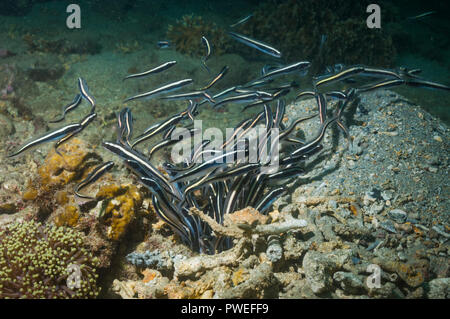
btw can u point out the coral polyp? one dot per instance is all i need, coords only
(38, 261)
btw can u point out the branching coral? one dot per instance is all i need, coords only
(186, 34)
(35, 260)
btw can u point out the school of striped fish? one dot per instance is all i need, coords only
(221, 180)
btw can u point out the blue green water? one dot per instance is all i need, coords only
(126, 33)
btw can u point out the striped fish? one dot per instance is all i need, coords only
(305, 149)
(261, 46)
(82, 125)
(163, 44)
(243, 20)
(264, 204)
(206, 166)
(47, 137)
(382, 85)
(189, 96)
(92, 177)
(216, 78)
(69, 107)
(340, 76)
(125, 123)
(241, 98)
(155, 70)
(130, 154)
(208, 53)
(84, 91)
(300, 67)
(427, 84)
(163, 89)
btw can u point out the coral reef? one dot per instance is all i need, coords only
(58, 171)
(69, 217)
(186, 34)
(35, 262)
(47, 190)
(119, 208)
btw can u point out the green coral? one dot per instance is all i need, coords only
(36, 259)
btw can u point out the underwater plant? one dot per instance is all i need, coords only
(36, 261)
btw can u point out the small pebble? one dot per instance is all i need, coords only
(387, 195)
(401, 256)
(332, 204)
(398, 215)
(388, 226)
(376, 209)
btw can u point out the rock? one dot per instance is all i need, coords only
(349, 282)
(439, 266)
(319, 268)
(401, 256)
(439, 288)
(413, 272)
(261, 283)
(376, 208)
(416, 294)
(387, 194)
(294, 248)
(248, 216)
(398, 216)
(389, 226)
(351, 233)
(6, 127)
(274, 252)
(385, 291)
(8, 208)
(332, 204)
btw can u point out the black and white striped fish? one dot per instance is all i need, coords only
(155, 70)
(256, 44)
(163, 89)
